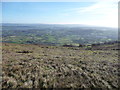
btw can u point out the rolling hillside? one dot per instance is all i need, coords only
(55, 34)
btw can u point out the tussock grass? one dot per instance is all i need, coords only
(36, 66)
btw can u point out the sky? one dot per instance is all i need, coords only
(88, 13)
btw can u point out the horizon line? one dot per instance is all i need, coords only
(62, 24)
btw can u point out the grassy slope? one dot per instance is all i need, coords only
(36, 66)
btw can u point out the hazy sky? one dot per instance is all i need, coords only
(90, 13)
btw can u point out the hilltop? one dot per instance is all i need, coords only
(43, 66)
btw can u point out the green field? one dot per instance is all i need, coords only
(54, 34)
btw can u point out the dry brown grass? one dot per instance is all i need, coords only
(36, 66)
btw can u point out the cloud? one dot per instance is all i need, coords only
(99, 13)
(99, 8)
